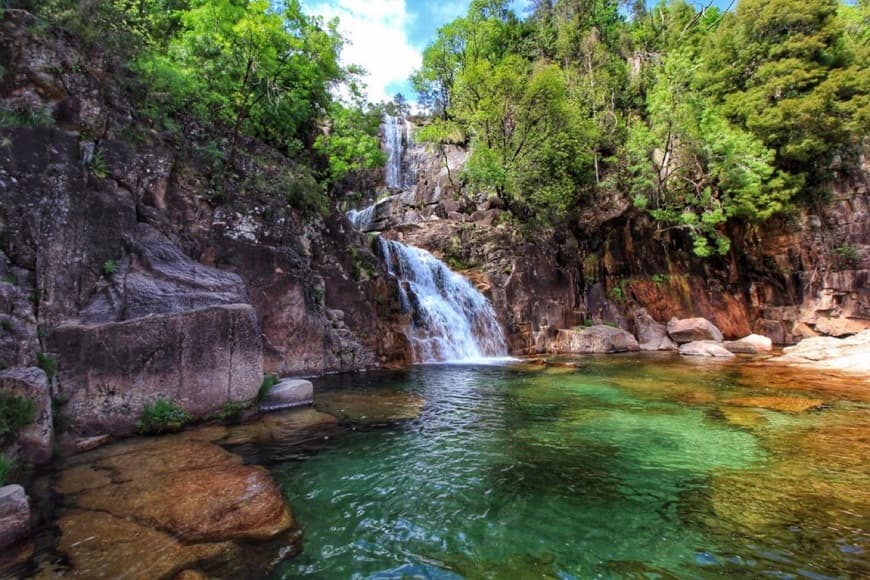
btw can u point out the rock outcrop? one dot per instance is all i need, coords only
(200, 360)
(847, 354)
(598, 339)
(651, 335)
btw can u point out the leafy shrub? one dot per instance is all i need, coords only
(15, 413)
(47, 363)
(98, 164)
(110, 267)
(848, 254)
(269, 381)
(231, 411)
(162, 416)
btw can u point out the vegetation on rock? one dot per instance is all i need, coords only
(162, 416)
(15, 413)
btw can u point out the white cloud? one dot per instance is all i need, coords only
(376, 31)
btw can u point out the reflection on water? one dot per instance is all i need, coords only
(631, 466)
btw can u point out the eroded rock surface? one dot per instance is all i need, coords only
(14, 516)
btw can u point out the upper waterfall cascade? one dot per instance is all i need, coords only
(397, 142)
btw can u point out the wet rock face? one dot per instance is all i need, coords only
(199, 360)
(35, 441)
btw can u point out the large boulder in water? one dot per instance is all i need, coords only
(752, 344)
(650, 334)
(598, 339)
(693, 329)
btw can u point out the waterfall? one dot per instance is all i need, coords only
(361, 219)
(393, 143)
(397, 142)
(450, 319)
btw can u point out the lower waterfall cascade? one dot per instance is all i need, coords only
(451, 320)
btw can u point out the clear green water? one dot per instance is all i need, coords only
(633, 467)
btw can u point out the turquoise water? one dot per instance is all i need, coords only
(629, 467)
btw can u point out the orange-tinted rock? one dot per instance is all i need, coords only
(785, 404)
(100, 545)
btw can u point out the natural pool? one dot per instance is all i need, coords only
(626, 466)
(631, 466)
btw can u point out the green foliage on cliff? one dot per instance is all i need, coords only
(700, 116)
(250, 68)
(15, 413)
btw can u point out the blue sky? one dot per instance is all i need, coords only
(387, 37)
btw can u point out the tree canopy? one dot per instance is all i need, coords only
(701, 116)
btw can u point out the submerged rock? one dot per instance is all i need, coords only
(100, 545)
(371, 407)
(599, 339)
(848, 354)
(752, 344)
(705, 348)
(160, 506)
(784, 404)
(693, 329)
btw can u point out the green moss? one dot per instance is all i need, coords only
(162, 416)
